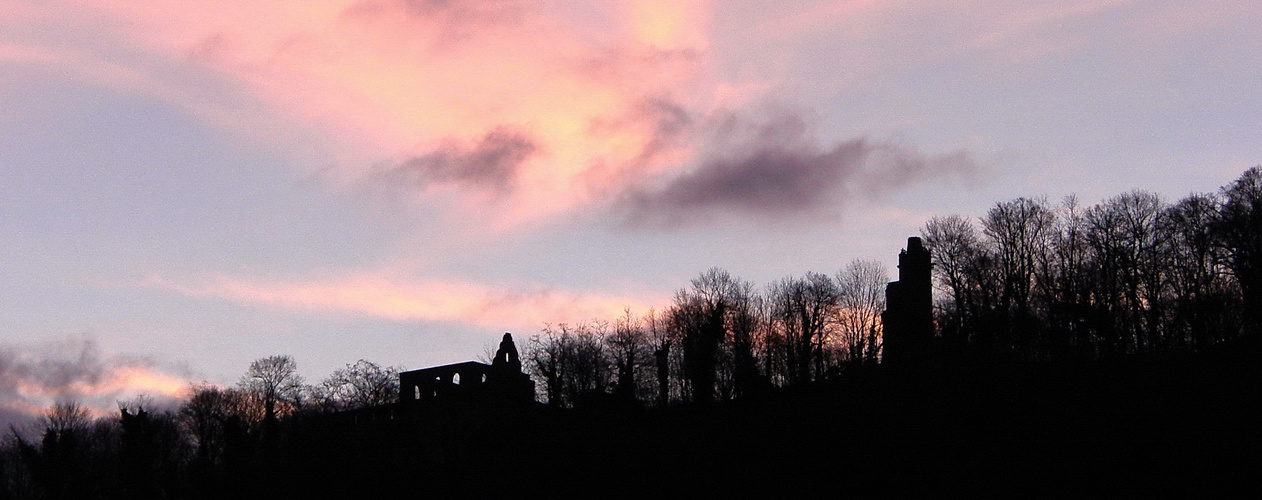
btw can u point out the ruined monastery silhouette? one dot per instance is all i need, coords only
(501, 381)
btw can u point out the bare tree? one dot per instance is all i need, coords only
(1239, 231)
(861, 299)
(275, 381)
(627, 344)
(543, 359)
(804, 309)
(1019, 232)
(1203, 291)
(662, 338)
(588, 370)
(1067, 293)
(60, 465)
(956, 248)
(206, 415)
(746, 322)
(953, 243)
(700, 313)
(572, 361)
(361, 385)
(1124, 234)
(65, 418)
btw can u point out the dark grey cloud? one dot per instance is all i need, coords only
(776, 170)
(772, 178)
(491, 162)
(54, 367)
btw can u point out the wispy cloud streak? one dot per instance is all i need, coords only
(496, 307)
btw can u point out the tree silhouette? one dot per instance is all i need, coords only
(573, 362)
(152, 449)
(206, 417)
(275, 381)
(957, 259)
(662, 338)
(1239, 232)
(861, 298)
(701, 314)
(804, 309)
(627, 348)
(59, 467)
(361, 385)
(1020, 231)
(1198, 279)
(746, 320)
(543, 360)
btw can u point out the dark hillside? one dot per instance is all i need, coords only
(1182, 425)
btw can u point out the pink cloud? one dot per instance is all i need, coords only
(112, 382)
(389, 81)
(501, 307)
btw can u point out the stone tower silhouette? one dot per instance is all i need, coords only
(908, 316)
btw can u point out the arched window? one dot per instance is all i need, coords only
(455, 379)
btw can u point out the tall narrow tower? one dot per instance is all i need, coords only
(908, 316)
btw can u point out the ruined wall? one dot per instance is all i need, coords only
(502, 381)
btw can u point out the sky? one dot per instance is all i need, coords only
(187, 186)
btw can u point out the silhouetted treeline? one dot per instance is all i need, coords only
(719, 339)
(1130, 275)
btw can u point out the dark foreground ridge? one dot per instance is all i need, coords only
(1184, 426)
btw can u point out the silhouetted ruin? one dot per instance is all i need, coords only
(908, 316)
(501, 381)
